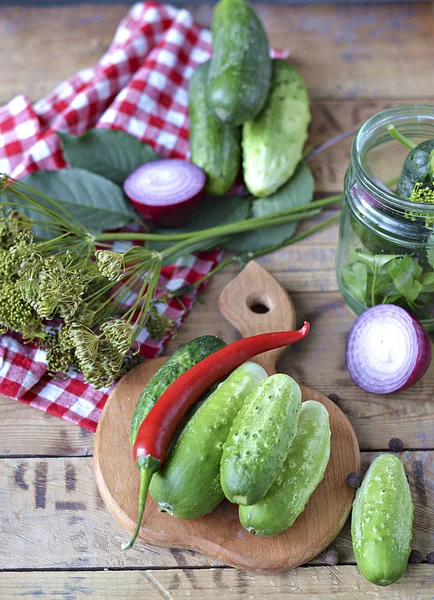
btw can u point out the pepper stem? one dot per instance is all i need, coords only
(147, 466)
(400, 138)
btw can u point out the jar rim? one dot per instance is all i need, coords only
(394, 114)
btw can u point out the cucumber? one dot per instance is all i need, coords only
(240, 72)
(188, 355)
(301, 473)
(215, 146)
(188, 485)
(273, 141)
(259, 439)
(382, 518)
(418, 168)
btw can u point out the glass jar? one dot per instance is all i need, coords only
(386, 243)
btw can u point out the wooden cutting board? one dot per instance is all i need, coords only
(254, 302)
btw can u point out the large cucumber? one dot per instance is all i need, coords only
(188, 355)
(240, 72)
(215, 146)
(381, 527)
(273, 141)
(259, 439)
(188, 485)
(302, 471)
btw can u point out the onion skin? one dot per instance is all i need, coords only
(371, 378)
(424, 356)
(171, 215)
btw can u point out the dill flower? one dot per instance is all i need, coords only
(157, 324)
(12, 224)
(119, 334)
(110, 264)
(17, 314)
(60, 350)
(424, 195)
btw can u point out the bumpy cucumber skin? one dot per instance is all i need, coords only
(240, 71)
(188, 485)
(301, 473)
(273, 141)
(382, 518)
(215, 146)
(188, 355)
(418, 168)
(259, 439)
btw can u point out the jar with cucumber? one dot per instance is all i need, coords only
(386, 245)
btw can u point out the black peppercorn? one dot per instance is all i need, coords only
(354, 480)
(415, 557)
(332, 557)
(334, 397)
(396, 445)
(430, 558)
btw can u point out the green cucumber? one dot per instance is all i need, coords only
(418, 168)
(381, 526)
(301, 473)
(187, 356)
(259, 439)
(240, 72)
(188, 485)
(215, 146)
(273, 142)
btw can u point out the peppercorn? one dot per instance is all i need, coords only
(334, 397)
(354, 480)
(332, 557)
(415, 557)
(430, 558)
(396, 445)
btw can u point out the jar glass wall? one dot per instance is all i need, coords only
(386, 243)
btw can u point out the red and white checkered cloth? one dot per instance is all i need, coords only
(140, 86)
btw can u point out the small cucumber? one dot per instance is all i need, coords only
(273, 141)
(259, 439)
(188, 355)
(301, 473)
(215, 146)
(240, 71)
(188, 485)
(381, 527)
(418, 168)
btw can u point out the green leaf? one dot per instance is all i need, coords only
(404, 273)
(211, 212)
(92, 200)
(376, 262)
(355, 278)
(111, 153)
(298, 191)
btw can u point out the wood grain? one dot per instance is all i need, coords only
(317, 583)
(28, 432)
(39, 510)
(343, 51)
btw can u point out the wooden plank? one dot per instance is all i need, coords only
(342, 51)
(25, 431)
(53, 503)
(318, 583)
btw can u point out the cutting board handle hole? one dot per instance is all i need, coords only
(259, 304)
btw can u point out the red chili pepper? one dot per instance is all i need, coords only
(159, 426)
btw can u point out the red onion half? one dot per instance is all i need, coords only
(165, 191)
(387, 350)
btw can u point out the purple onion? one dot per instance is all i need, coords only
(165, 191)
(387, 350)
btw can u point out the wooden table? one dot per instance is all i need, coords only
(57, 538)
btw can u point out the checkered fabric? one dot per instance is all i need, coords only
(140, 86)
